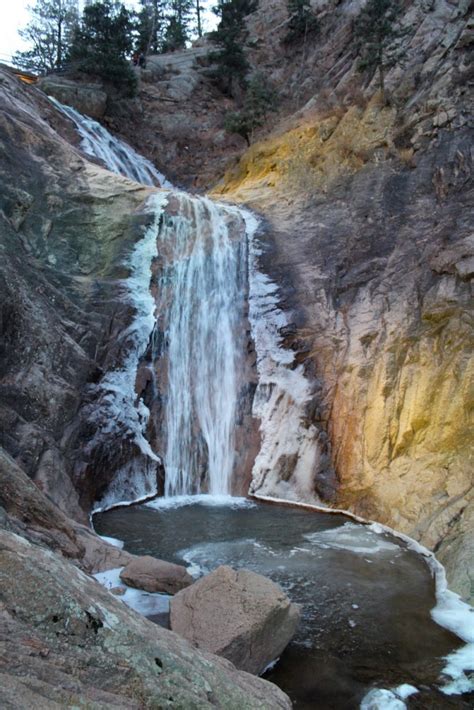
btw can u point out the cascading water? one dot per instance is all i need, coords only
(202, 251)
(118, 157)
(201, 306)
(198, 331)
(116, 414)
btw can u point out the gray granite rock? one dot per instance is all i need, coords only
(154, 575)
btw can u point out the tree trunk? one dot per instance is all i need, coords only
(198, 16)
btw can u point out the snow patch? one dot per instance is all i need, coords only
(457, 668)
(113, 541)
(146, 603)
(382, 699)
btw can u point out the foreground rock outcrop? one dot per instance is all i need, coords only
(154, 575)
(66, 641)
(241, 616)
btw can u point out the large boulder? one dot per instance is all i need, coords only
(239, 615)
(154, 575)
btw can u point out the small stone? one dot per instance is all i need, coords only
(441, 119)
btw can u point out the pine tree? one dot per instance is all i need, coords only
(260, 100)
(301, 21)
(150, 26)
(177, 30)
(376, 35)
(49, 34)
(198, 18)
(230, 37)
(102, 42)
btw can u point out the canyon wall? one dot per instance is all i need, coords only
(67, 226)
(367, 233)
(370, 239)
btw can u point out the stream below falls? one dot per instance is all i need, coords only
(366, 598)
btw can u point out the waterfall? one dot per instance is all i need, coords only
(197, 325)
(199, 312)
(116, 415)
(118, 157)
(201, 308)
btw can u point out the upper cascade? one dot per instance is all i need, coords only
(118, 156)
(197, 339)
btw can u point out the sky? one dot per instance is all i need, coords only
(14, 16)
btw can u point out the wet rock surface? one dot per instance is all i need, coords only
(241, 616)
(154, 575)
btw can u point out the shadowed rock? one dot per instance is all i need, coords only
(239, 615)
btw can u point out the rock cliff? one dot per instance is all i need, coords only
(370, 239)
(368, 236)
(73, 643)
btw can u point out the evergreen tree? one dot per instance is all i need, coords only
(102, 42)
(150, 26)
(230, 37)
(301, 21)
(177, 30)
(376, 34)
(49, 34)
(260, 100)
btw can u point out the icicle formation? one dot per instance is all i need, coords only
(202, 303)
(281, 396)
(118, 157)
(116, 413)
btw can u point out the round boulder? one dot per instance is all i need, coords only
(239, 615)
